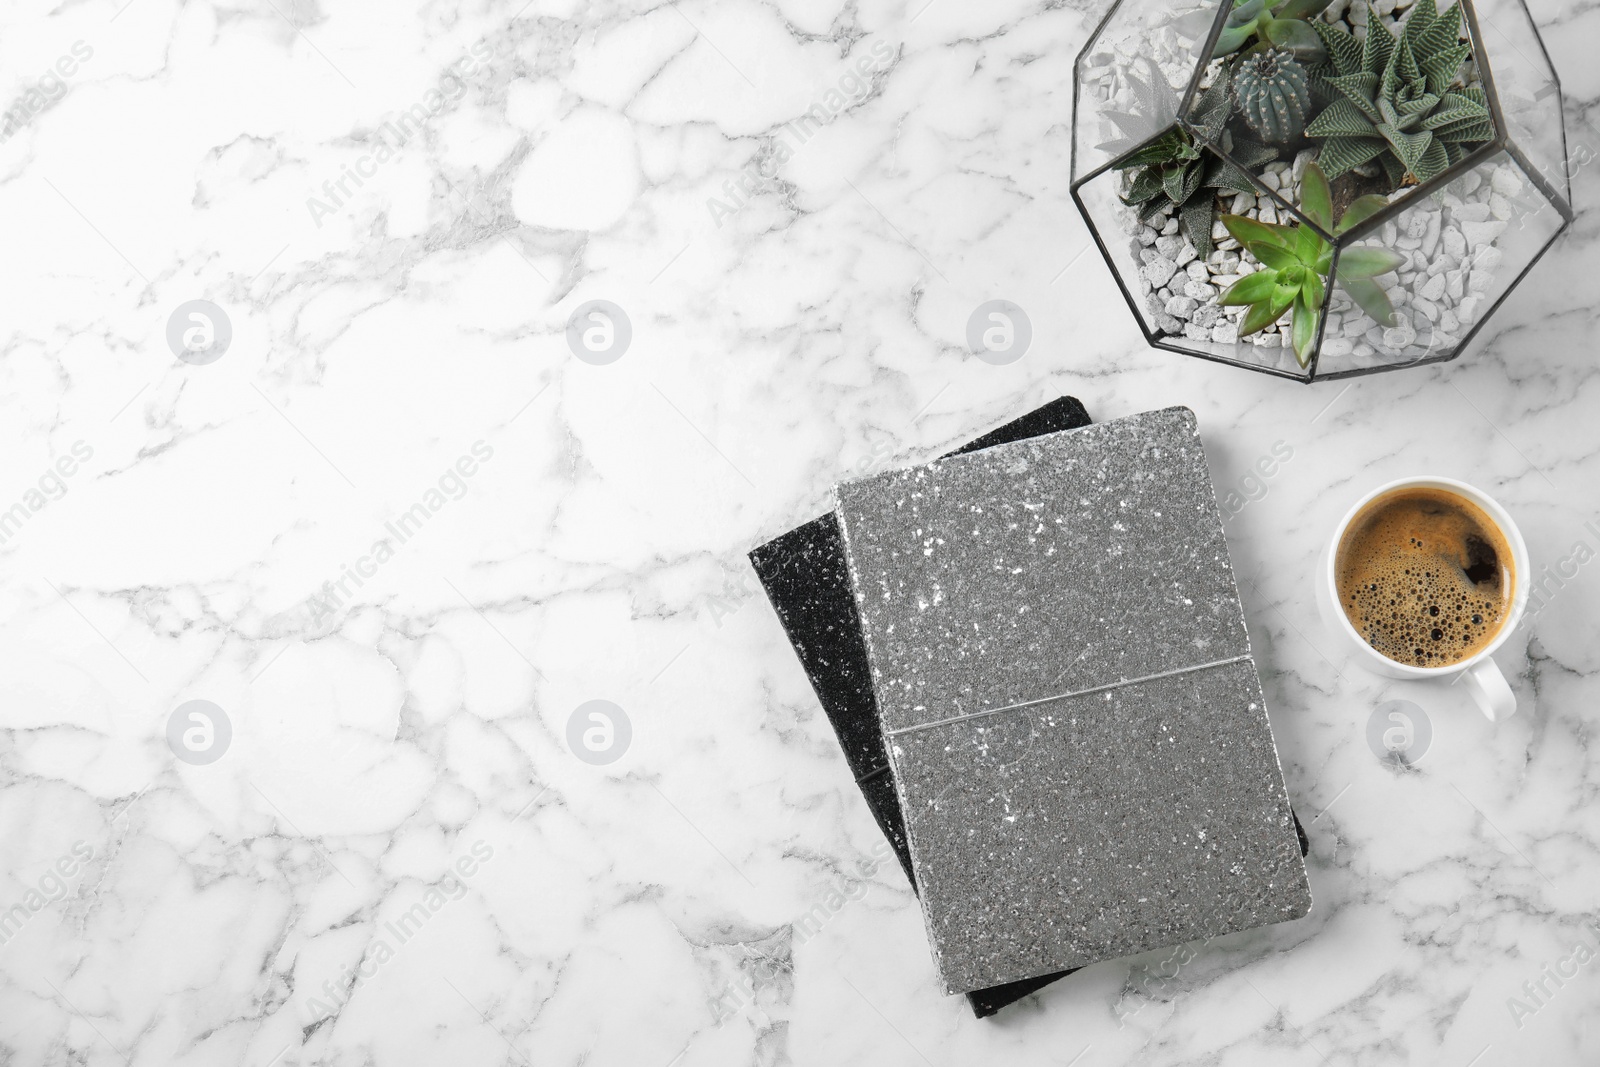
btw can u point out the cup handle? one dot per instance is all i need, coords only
(1490, 690)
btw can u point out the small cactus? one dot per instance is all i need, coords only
(1273, 93)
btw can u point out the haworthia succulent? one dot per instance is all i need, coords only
(1397, 100)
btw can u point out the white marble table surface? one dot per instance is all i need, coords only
(397, 857)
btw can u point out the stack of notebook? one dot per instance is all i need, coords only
(1034, 656)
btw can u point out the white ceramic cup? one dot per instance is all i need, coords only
(1479, 672)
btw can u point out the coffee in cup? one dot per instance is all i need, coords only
(1425, 576)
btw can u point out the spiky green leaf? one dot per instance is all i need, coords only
(1248, 231)
(1300, 9)
(1283, 298)
(1346, 117)
(1367, 262)
(1403, 65)
(1371, 298)
(1422, 15)
(1313, 289)
(1408, 147)
(1344, 50)
(1249, 289)
(1435, 161)
(1342, 154)
(1164, 149)
(1172, 180)
(1459, 135)
(1360, 210)
(1232, 38)
(1308, 245)
(1439, 68)
(1393, 169)
(1275, 256)
(1213, 106)
(1227, 176)
(1145, 184)
(1251, 154)
(1259, 317)
(1304, 331)
(1411, 111)
(1455, 108)
(1379, 45)
(1152, 207)
(1296, 36)
(1429, 36)
(1315, 198)
(1194, 220)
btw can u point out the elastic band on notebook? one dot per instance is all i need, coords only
(1064, 696)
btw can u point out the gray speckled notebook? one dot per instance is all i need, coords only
(1065, 686)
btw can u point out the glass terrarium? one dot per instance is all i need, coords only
(1318, 188)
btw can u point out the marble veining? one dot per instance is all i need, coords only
(513, 764)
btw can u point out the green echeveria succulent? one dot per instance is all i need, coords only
(1283, 25)
(1175, 169)
(1396, 98)
(1295, 260)
(1274, 94)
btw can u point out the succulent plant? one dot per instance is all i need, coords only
(1154, 108)
(1296, 258)
(1174, 169)
(1397, 99)
(1284, 25)
(1274, 94)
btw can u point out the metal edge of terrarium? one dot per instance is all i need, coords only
(1566, 149)
(1077, 80)
(1105, 255)
(1361, 372)
(1486, 75)
(1322, 316)
(1255, 180)
(1536, 176)
(1284, 204)
(1100, 28)
(1480, 55)
(1074, 190)
(1259, 368)
(1561, 106)
(1561, 109)
(1483, 319)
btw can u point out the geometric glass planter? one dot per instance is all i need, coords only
(1455, 239)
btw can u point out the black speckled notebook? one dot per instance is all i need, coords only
(806, 577)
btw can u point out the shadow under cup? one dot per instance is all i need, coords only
(1425, 576)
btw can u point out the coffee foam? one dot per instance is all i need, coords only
(1424, 576)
